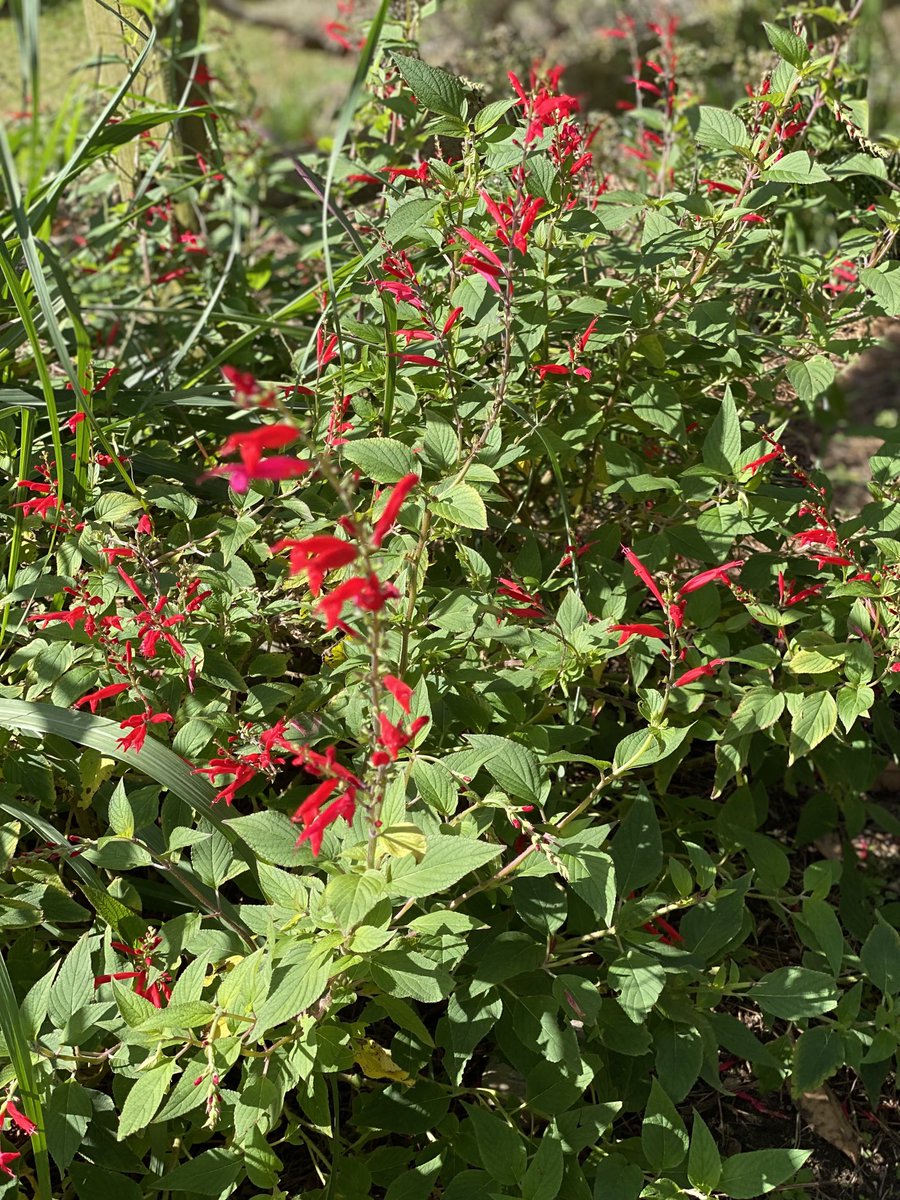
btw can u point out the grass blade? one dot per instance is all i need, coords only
(20, 1056)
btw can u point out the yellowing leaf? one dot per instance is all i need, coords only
(376, 1063)
(398, 840)
(93, 770)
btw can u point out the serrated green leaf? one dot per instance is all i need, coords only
(144, 1099)
(383, 459)
(792, 48)
(793, 993)
(447, 860)
(704, 1166)
(811, 377)
(796, 167)
(884, 283)
(435, 89)
(720, 129)
(351, 897)
(461, 505)
(813, 721)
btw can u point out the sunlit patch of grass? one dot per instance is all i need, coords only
(293, 92)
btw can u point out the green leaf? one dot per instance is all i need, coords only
(813, 721)
(636, 848)
(432, 87)
(351, 897)
(664, 1138)
(74, 987)
(884, 283)
(746, 1176)
(210, 1173)
(722, 444)
(854, 701)
(592, 876)
(436, 785)
(545, 1171)
(825, 927)
(792, 48)
(796, 167)
(446, 861)
(500, 1146)
(409, 217)
(760, 708)
(880, 958)
(811, 377)
(818, 1053)
(144, 1099)
(383, 459)
(514, 767)
(793, 993)
(270, 835)
(461, 505)
(720, 129)
(293, 990)
(704, 1161)
(19, 1051)
(234, 532)
(175, 1018)
(858, 164)
(67, 1111)
(639, 981)
(115, 508)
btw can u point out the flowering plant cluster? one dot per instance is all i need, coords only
(443, 703)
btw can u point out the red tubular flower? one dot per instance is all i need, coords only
(137, 727)
(366, 592)
(278, 466)
(753, 219)
(644, 575)
(92, 699)
(533, 607)
(391, 510)
(73, 422)
(71, 617)
(325, 351)
(243, 771)
(833, 560)
(545, 369)
(422, 360)
(824, 537)
(315, 555)
(714, 575)
(19, 1119)
(698, 672)
(251, 443)
(451, 320)
(759, 462)
(344, 806)
(6, 1157)
(401, 691)
(637, 630)
(713, 185)
(394, 737)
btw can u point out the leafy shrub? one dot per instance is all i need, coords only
(514, 595)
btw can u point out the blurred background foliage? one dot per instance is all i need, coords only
(280, 64)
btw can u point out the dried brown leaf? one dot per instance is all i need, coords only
(821, 1111)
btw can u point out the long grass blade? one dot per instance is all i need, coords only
(20, 1056)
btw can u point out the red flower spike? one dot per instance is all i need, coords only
(92, 699)
(137, 728)
(6, 1157)
(644, 575)
(401, 691)
(251, 443)
(19, 1119)
(714, 575)
(316, 555)
(366, 592)
(392, 508)
(696, 673)
(533, 607)
(638, 630)
(545, 369)
(451, 321)
(754, 466)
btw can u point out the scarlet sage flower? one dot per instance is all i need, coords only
(137, 728)
(696, 673)
(316, 555)
(753, 219)
(545, 369)
(92, 699)
(637, 630)
(45, 498)
(365, 591)
(832, 560)
(713, 185)
(714, 575)
(251, 443)
(73, 422)
(754, 466)
(243, 382)
(401, 691)
(155, 992)
(393, 738)
(391, 510)
(277, 466)
(6, 1157)
(531, 601)
(242, 772)
(644, 575)
(70, 617)
(18, 1118)
(325, 351)
(451, 320)
(422, 360)
(809, 537)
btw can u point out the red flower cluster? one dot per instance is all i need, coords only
(155, 992)
(320, 553)
(137, 728)
(250, 446)
(530, 601)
